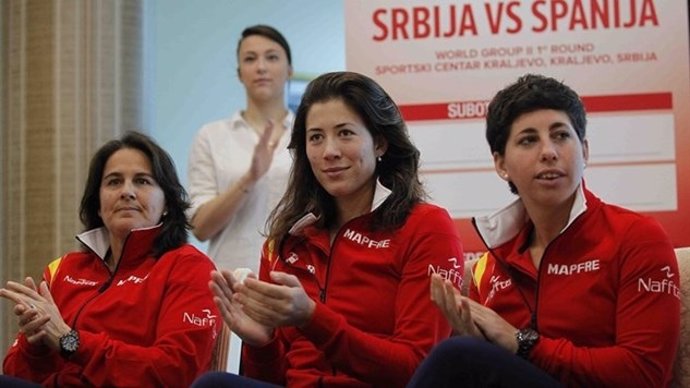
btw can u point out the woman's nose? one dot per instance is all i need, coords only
(128, 191)
(331, 149)
(548, 151)
(261, 65)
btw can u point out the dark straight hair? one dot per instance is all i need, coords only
(396, 169)
(175, 225)
(267, 32)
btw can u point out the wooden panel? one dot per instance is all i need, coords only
(71, 80)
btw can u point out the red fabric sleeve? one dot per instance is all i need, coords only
(180, 352)
(647, 327)
(32, 362)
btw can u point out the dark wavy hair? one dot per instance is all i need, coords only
(530, 93)
(175, 225)
(396, 170)
(267, 32)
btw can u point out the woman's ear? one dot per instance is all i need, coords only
(499, 165)
(381, 146)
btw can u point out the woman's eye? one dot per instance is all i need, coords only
(314, 137)
(347, 132)
(143, 181)
(112, 182)
(563, 135)
(527, 140)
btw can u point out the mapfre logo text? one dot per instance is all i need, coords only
(366, 241)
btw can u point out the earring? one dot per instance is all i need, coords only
(165, 213)
(379, 159)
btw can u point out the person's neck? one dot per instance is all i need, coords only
(355, 206)
(257, 115)
(548, 223)
(114, 254)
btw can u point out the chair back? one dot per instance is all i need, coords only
(681, 368)
(219, 359)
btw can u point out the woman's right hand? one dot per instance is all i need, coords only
(37, 314)
(263, 152)
(454, 306)
(253, 333)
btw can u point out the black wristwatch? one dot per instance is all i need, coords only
(69, 343)
(526, 339)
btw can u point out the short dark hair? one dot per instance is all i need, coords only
(531, 92)
(267, 32)
(397, 169)
(175, 225)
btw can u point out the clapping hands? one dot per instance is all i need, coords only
(468, 317)
(253, 309)
(38, 317)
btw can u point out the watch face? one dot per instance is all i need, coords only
(69, 342)
(526, 339)
(529, 335)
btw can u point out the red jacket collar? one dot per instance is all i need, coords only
(507, 231)
(138, 244)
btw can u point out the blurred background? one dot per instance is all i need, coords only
(77, 73)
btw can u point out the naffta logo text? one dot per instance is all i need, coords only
(451, 274)
(208, 320)
(664, 286)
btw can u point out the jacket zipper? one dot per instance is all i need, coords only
(533, 312)
(102, 288)
(324, 291)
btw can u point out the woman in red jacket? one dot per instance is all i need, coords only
(341, 295)
(132, 309)
(572, 291)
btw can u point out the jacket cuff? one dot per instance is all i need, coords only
(32, 350)
(83, 353)
(323, 325)
(265, 354)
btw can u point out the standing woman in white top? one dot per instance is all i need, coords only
(238, 167)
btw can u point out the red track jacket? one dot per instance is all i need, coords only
(151, 323)
(374, 321)
(605, 298)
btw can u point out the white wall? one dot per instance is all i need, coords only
(190, 63)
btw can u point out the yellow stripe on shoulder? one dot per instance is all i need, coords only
(479, 270)
(270, 251)
(53, 268)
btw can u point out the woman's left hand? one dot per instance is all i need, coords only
(38, 316)
(494, 327)
(454, 307)
(282, 304)
(263, 151)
